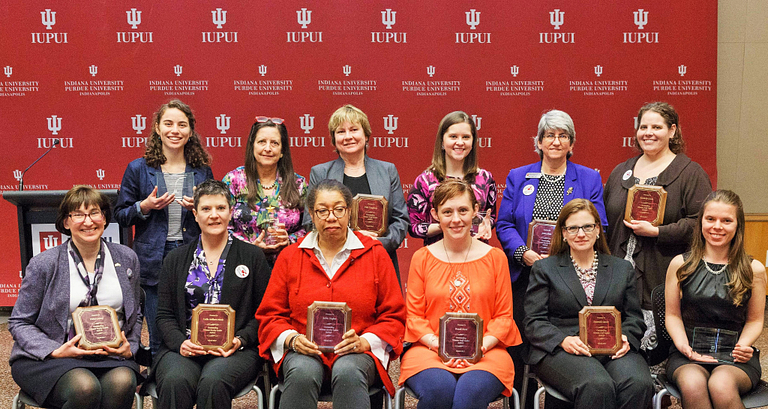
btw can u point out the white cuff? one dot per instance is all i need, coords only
(379, 348)
(278, 347)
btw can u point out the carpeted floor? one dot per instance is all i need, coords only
(8, 388)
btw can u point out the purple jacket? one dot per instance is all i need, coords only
(38, 322)
(516, 210)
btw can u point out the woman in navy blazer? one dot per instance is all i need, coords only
(46, 360)
(148, 201)
(350, 130)
(581, 272)
(539, 191)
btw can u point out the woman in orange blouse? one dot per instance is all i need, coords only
(458, 274)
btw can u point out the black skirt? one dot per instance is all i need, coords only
(37, 378)
(751, 367)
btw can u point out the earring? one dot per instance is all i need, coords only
(598, 236)
(565, 240)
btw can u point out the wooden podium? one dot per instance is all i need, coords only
(41, 206)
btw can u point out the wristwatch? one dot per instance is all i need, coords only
(242, 342)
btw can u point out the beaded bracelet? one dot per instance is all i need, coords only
(292, 344)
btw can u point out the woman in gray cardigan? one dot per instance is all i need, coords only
(46, 360)
(350, 131)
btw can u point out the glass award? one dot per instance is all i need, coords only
(600, 329)
(715, 342)
(213, 326)
(327, 322)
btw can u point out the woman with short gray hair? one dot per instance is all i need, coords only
(537, 192)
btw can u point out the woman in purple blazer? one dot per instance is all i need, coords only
(47, 361)
(539, 191)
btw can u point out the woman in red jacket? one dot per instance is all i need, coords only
(332, 264)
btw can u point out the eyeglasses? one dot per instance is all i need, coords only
(95, 215)
(337, 211)
(573, 230)
(262, 119)
(551, 137)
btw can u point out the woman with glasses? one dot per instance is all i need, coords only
(156, 197)
(715, 286)
(581, 272)
(332, 264)
(47, 359)
(537, 192)
(216, 268)
(269, 196)
(350, 130)
(454, 157)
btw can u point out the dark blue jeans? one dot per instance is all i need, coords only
(150, 305)
(438, 388)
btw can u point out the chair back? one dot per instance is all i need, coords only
(660, 351)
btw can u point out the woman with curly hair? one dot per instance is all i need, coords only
(156, 197)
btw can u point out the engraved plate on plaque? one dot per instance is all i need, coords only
(98, 326)
(540, 236)
(461, 336)
(646, 202)
(600, 329)
(213, 326)
(327, 322)
(369, 212)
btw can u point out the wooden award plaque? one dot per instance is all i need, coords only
(98, 326)
(213, 326)
(461, 337)
(369, 212)
(600, 329)
(327, 322)
(540, 236)
(646, 202)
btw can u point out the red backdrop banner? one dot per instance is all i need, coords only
(92, 74)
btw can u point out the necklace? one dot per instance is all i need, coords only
(586, 271)
(553, 178)
(270, 187)
(711, 270)
(465, 256)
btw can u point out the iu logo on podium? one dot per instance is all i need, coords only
(50, 239)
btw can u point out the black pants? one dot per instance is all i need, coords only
(208, 381)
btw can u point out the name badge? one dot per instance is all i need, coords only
(627, 174)
(527, 190)
(533, 175)
(241, 271)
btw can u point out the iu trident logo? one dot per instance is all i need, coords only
(100, 174)
(390, 123)
(134, 18)
(388, 18)
(49, 18)
(54, 124)
(473, 18)
(93, 70)
(222, 123)
(307, 122)
(557, 18)
(219, 17)
(304, 17)
(8, 70)
(139, 123)
(641, 18)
